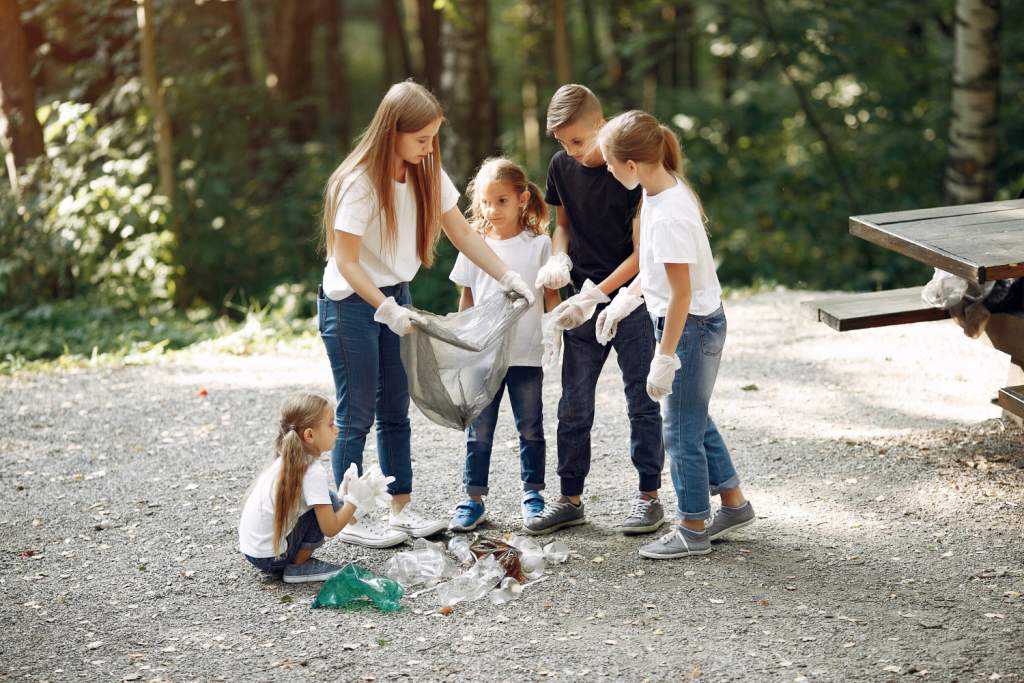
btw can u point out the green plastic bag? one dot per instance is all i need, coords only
(354, 586)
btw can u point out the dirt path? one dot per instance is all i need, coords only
(889, 544)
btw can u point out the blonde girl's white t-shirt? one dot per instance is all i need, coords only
(357, 214)
(256, 527)
(525, 253)
(671, 231)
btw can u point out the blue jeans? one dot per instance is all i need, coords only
(582, 360)
(700, 461)
(524, 393)
(369, 382)
(306, 535)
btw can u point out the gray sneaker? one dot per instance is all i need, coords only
(310, 571)
(679, 542)
(645, 516)
(557, 515)
(729, 519)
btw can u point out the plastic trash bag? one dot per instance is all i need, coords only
(426, 563)
(354, 586)
(946, 290)
(455, 363)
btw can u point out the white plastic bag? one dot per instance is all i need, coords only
(946, 290)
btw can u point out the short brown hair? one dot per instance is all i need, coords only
(569, 103)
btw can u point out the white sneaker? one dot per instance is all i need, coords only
(371, 534)
(416, 525)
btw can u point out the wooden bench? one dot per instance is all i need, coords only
(1011, 399)
(847, 312)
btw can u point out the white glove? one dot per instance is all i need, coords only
(555, 273)
(608, 321)
(351, 474)
(400, 320)
(551, 338)
(511, 281)
(659, 379)
(578, 309)
(360, 494)
(378, 484)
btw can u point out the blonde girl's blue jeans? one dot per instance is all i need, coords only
(700, 461)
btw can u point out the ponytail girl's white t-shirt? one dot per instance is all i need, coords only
(671, 231)
(357, 214)
(256, 527)
(525, 253)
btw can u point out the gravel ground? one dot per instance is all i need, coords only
(888, 546)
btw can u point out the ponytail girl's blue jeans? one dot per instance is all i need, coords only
(700, 461)
(369, 383)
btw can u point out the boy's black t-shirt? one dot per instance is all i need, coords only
(600, 214)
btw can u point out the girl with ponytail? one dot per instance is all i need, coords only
(680, 287)
(291, 507)
(509, 212)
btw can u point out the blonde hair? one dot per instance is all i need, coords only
(298, 413)
(570, 103)
(638, 137)
(407, 107)
(534, 216)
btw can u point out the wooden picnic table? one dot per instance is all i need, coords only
(978, 242)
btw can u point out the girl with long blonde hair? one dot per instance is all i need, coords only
(683, 296)
(510, 212)
(291, 506)
(384, 208)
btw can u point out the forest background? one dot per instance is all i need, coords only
(165, 159)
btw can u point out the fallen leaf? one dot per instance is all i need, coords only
(203, 392)
(94, 645)
(750, 387)
(994, 615)
(445, 611)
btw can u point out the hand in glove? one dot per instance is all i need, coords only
(399, 319)
(511, 281)
(360, 494)
(608, 321)
(578, 309)
(551, 338)
(378, 484)
(555, 273)
(659, 379)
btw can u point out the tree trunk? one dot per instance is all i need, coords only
(430, 39)
(155, 96)
(684, 64)
(974, 124)
(229, 13)
(333, 15)
(19, 127)
(253, 36)
(466, 83)
(563, 63)
(293, 65)
(396, 48)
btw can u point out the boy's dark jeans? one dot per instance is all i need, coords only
(582, 360)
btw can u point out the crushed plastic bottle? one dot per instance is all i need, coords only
(355, 586)
(472, 584)
(426, 564)
(507, 591)
(556, 552)
(532, 558)
(459, 547)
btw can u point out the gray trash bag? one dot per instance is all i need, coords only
(455, 363)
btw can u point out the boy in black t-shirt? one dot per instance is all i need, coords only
(595, 238)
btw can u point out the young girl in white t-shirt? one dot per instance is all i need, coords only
(680, 287)
(291, 506)
(384, 208)
(509, 212)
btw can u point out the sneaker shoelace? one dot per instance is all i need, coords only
(640, 506)
(411, 516)
(554, 509)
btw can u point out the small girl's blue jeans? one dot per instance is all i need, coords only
(701, 465)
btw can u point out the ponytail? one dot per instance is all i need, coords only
(299, 412)
(535, 213)
(672, 155)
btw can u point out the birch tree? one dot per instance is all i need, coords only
(974, 121)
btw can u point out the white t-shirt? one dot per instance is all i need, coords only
(256, 528)
(525, 254)
(671, 231)
(357, 214)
